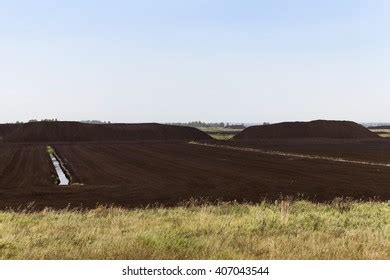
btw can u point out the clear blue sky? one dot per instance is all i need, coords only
(178, 60)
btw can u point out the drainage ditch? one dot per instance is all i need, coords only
(62, 177)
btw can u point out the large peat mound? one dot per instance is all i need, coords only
(81, 132)
(7, 128)
(313, 129)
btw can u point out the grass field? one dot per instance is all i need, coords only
(382, 132)
(221, 133)
(284, 230)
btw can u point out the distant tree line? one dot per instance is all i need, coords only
(96, 122)
(199, 124)
(208, 124)
(33, 121)
(42, 120)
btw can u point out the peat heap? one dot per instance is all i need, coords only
(313, 129)
(8, 128)
(81, 132)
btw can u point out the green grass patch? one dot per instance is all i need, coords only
(382, 132)
(221, 136)
(284, 230)
(50, 150)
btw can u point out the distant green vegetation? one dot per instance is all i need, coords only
(95, 122)
(199, 124)
(50, 150)
(211, 125)
(221, 133)
(382, 132)
(220, 136)
(284, 230)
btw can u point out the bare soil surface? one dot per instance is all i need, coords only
(6, 129)
(136, 174)
(24, 167)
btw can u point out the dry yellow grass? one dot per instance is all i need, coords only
(287, 230)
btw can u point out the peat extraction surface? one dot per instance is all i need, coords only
(181, 170)
(58, 131)
(138, 174)
(24, 168)
(313, 129)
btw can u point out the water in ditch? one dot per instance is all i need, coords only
(64, 181)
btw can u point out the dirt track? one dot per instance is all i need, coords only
(134, 174)
(183, 170)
